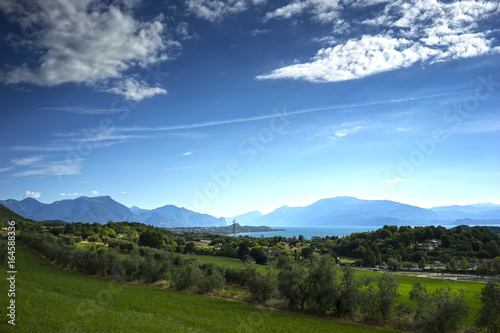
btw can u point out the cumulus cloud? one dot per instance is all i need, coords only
(404, 33)
(135, 90)
(34, 195)
(85, 42)
(217, 10)
(321, 10)
(95, 192)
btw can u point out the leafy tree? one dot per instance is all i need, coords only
(94, 239)
(394, 263)
(379, 299)
(152, 239)
(307, 252)
(452, 265)
(421, 263)
(489, 314)
(370, 260)
(322, 283)
(259, 256)
(190, 248)
(349, 294)
(261, 287)
(464, 264)
(292, 285)
(492, 249)
(243, 250)
(497, 265)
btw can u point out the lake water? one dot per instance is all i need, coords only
(309, 232)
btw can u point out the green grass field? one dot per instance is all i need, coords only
(49, 299)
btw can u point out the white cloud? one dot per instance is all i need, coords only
(407, 32)
(402, 129)
(187, 153)
(257, 32)
(216, 10)
(135, 90)
(5, 169)
(355, 59)
(75, 194)
(27, 160)
(84, 41)
(344, 132)
(34, 195)
(390, 182)
(123, 192)
(95, 192)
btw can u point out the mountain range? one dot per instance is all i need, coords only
(103, 209)
(353, 211)
(326, 212)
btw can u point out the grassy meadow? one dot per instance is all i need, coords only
(49, 299)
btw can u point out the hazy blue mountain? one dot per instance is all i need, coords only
(173, 216)
(245, 219)
(103, 209)
(484, 211)
(83, 209)
(136, 210)
(347, 211)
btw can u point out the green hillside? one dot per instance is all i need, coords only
(49, 299)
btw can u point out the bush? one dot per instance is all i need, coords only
(261, 287)
(441, 311)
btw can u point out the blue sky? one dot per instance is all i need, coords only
(225, 107)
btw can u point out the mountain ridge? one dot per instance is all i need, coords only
(325, 212)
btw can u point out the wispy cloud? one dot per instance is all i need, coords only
(6, 169)
(95, 192)
(180, 168)
(187, 153)
(53, 168)
(27, 160)
(85, 110)
(34, 195)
